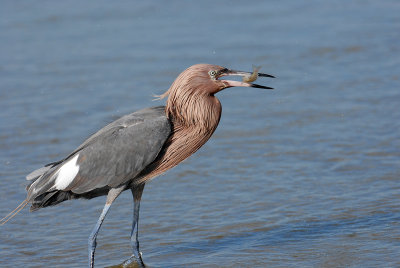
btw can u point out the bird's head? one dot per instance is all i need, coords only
(207, 78)
(195, 87)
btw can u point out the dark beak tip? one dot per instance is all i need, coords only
(260, 86)
(266, 75)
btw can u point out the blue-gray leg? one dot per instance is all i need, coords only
(93, 235)
(112, 195)
(137, 255)
(135, 233)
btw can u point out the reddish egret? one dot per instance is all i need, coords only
(137, 147)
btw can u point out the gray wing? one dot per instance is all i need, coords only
(113, 156)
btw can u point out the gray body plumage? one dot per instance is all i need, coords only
(112, 157)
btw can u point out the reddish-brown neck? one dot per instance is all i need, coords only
(193, 122)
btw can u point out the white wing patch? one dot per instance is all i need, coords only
(66, 174)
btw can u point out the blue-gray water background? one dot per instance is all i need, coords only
(306, 175)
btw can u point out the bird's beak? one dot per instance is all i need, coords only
(248, 77)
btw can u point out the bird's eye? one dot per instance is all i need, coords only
(212, 73)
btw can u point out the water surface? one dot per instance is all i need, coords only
(303, 176)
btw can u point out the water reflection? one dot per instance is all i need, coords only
(131, 264)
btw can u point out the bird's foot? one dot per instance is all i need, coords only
(134, 262)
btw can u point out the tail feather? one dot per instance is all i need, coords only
(41, 192)
(33, 177)
(37, 173)
(42, 181)
(50, 199)
(13, 213)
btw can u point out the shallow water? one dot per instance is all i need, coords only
(306, 175)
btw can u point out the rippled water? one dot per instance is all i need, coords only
(303, 176)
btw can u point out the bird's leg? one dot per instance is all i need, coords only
(112, 195)
(137, 195)
(92, 238)
(135, 224)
